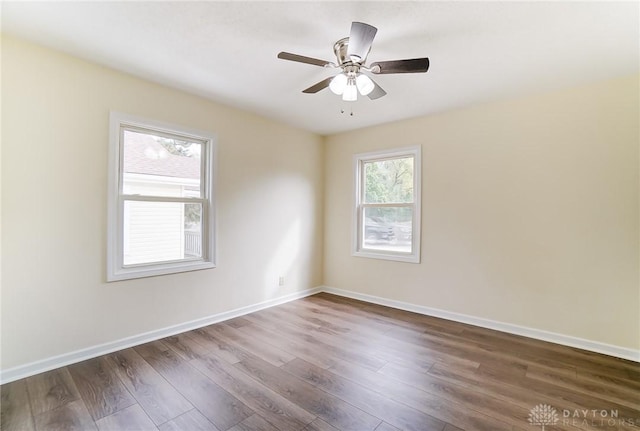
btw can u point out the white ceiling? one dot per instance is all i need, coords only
(226, 51)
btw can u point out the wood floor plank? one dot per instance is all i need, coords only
(623, 396)
(15, 407)
(345, 316)
(229, 352)
(313, 315)
(328, 363)
(185, 346)
(277, 320)
(507, 369)
(360, 324)
(319, 425)
(341, 415)
(71, 416)
(254, 345)
(497, 354)
(422, 356)
(607, 380)
(358, 310)
(279, 411)
(100, 388)
(615, 367)
(304, 351)
(433, 405)
(453, 345)
(395, 316)
(254, 423)
(301, 319)
(190, 421)
(160, 400)
(360, 329)
(504, 402)
(374, 338)
(512, 392)
(148, 349)
(447, 350)
(130, 418)
(50, 390)
(471, 398)
(237, 322)
(387, 427)
(219, 406)
(565, 396)
(388, 410)
(506, 394)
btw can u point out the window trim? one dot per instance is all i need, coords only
(358, 191)
(116, 270)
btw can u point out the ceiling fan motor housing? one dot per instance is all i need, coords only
(340, 49)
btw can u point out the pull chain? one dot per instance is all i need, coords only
(350, 112)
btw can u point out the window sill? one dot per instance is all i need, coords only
(155, 270)
(371, 254)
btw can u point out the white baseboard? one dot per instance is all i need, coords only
(65, 359)
(51, 363)
(566, 340)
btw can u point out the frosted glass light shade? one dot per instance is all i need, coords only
(365, 84)
(338, 84)
(350, 92)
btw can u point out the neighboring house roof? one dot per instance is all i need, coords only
(144, 155)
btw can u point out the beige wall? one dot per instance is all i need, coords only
(529, 213)
(55, 114)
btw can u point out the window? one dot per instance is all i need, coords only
(161, 199)
(387, 205)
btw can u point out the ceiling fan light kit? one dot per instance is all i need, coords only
(365, 84)
(351, 54)
(349, 84)
(338, 84)
(350, 91)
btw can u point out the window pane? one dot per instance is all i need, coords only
(161, 231)
(388, 229)
(388, 181)
(159, 166)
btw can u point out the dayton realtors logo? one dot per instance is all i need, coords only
(543, 415)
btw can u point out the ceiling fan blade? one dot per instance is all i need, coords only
(360, 40)
(319, 86)
(303, 59)
(377, 92)
(416, 65)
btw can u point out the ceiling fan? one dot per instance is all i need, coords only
(351, 53)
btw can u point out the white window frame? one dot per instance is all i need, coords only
(358, 209)
(116, 270)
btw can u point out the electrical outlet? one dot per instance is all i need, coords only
(281, 281)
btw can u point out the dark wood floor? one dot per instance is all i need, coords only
(330, 363)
